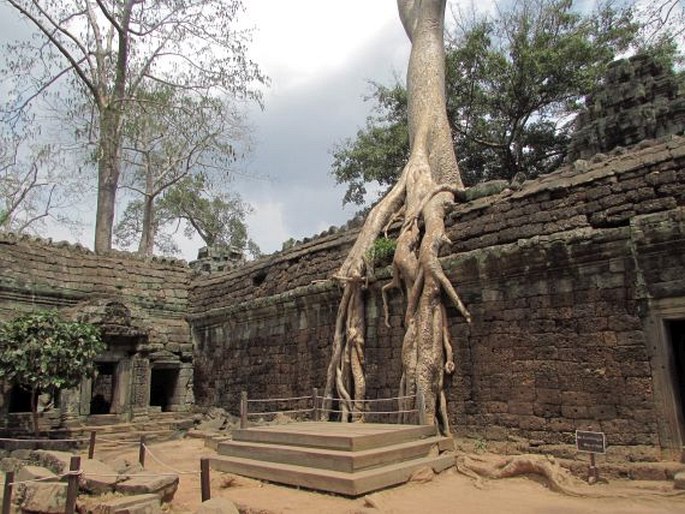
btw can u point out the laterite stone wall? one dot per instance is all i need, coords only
(559, 275)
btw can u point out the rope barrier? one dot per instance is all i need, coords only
(132, 475)
(43, 440)
(271, 413)
(292, 398)
(163, 464)
(372, 411)
(77, 472)
(376, 399)
(117, 441)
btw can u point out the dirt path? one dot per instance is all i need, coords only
(446, 493)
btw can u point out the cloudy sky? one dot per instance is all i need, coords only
(319, 56)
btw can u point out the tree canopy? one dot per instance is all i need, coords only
(176, 142)
(113, 52)
(514, 82)
(217, 217)
(41, 352)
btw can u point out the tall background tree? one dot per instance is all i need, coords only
(113, 51)
(33, 184)
(515, 80)
(176, 145)
(217, 217)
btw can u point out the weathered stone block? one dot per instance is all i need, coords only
(45, 497)
(164, 486)
(217, 506)
(138, 504)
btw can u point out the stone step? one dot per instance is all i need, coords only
(334, 436)
(349, 484)
(336, 460)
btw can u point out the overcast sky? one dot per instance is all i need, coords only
(319, 56)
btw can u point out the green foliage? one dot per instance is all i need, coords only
(115, 54)
(288, 244)
(39, 351)
(178, 147)
(382, 251)
(218, 218)
(480, 445)
(514, 84)
(380, 150)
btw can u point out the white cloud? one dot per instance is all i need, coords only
(267, 225)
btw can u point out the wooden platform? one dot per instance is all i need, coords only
(344, 458)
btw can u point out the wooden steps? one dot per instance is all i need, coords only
(344, 458)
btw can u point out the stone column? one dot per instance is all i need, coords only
(140, 386)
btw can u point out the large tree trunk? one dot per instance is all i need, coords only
(149, 227)
(422, 195)
(108, 177)
(34, 411)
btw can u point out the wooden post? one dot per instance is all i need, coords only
(205, 491)
(141, 451)
(593, 473)
(315, 410)
(421, 406)
(243, 409)
(91, 445)
(7, 492)
(72, 484)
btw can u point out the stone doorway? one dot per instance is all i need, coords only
(19, 400)
(665, 331)
(163, 386)
(104, 385)
(675, 332)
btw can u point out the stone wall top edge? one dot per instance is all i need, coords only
(578, 173)
(342, 237)
(210, 317)
(77, 248)
(620, 160)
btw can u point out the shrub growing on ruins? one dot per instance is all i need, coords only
(40, 352)
(382, 251)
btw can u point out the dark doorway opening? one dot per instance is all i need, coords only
(20, 400)
(162, 387)
(676, 333)
(103, 388)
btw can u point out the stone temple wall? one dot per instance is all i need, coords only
(570, 280)
(139, 304)
(573, 281)
(559, 276)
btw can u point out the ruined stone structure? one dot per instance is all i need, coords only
(576, 284)
(139, 306)
(575, 281)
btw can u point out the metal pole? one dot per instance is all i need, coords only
(141, 451)
(315, 410)
(7, 493)
(91, 445)
(243, 409)
(205, 479)
(72, 485)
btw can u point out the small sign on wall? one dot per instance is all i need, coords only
(591, 442)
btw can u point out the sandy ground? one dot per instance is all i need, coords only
(447, 492)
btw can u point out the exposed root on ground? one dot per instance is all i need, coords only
(494, 467)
